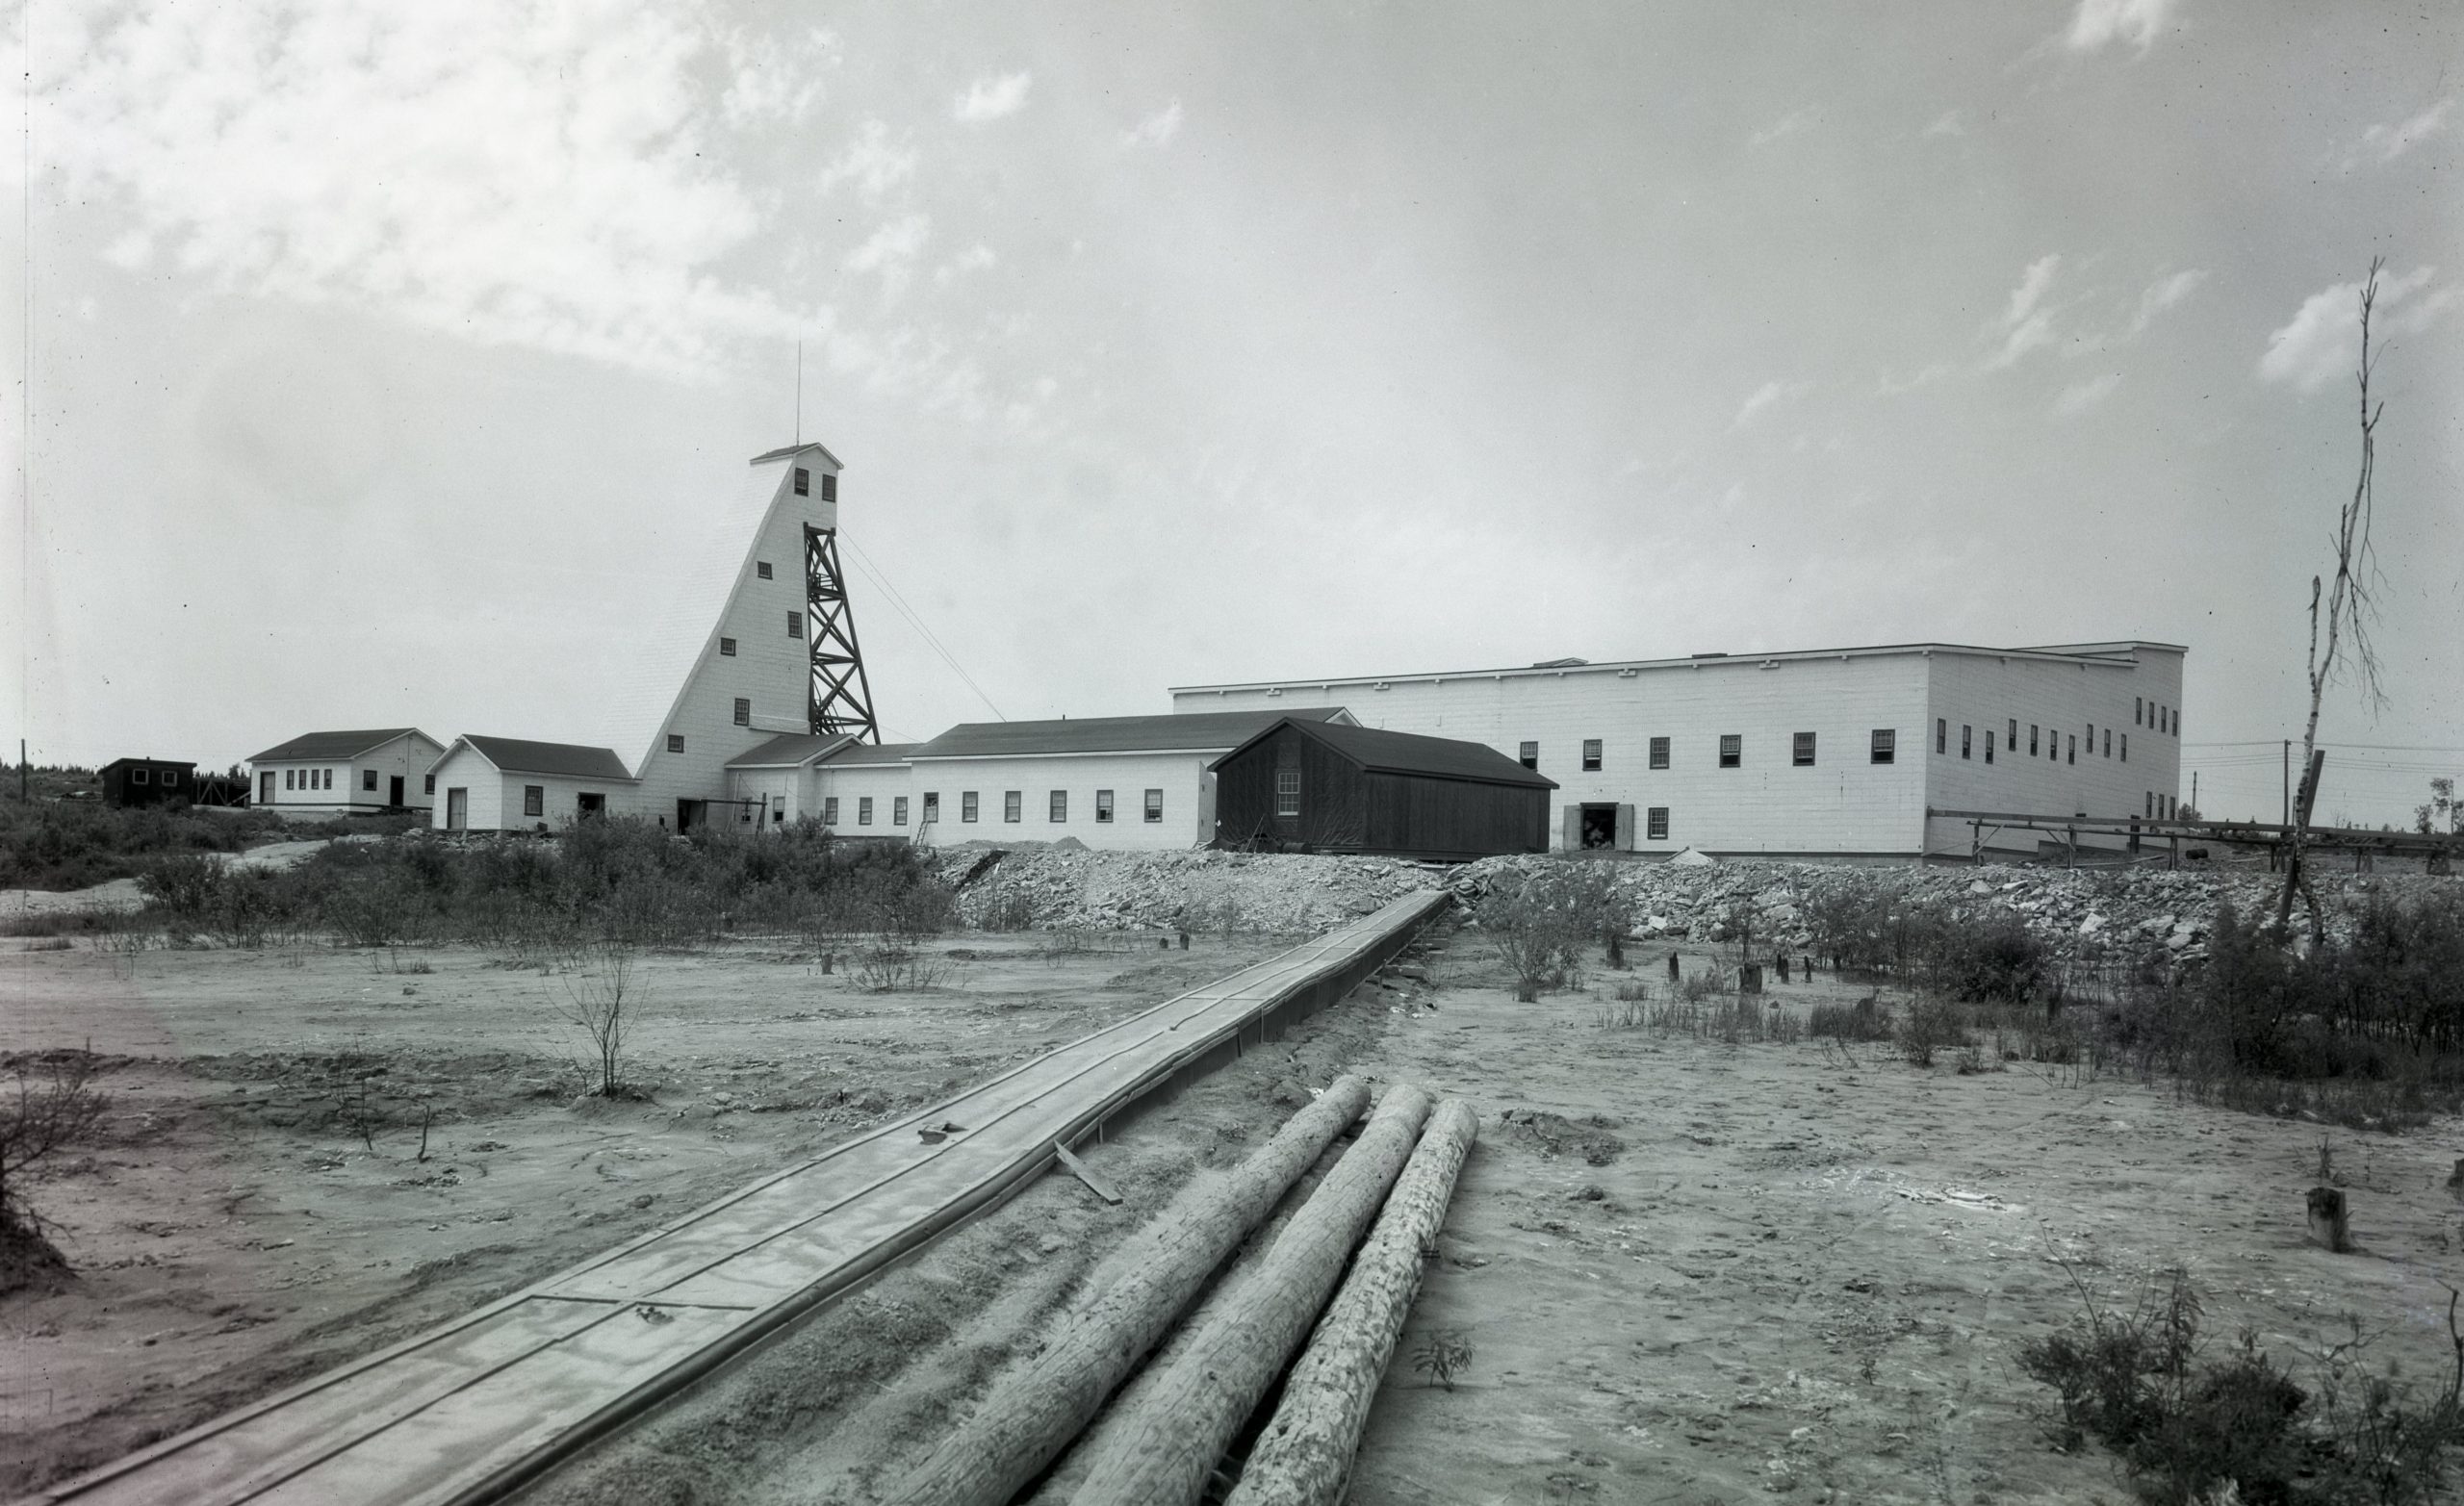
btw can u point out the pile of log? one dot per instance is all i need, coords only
(1321, 1311)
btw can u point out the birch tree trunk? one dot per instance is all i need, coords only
(1163, 1456)
(1305, 1454)
(1035, 1409)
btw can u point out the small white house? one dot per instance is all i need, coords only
(356, 772)
(511, 784)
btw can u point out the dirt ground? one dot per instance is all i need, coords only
(237, 1231)
(1687, 1270)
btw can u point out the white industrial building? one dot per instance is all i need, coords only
(509, 784)
(1125, 781)
(349, 773)
(1834, 752)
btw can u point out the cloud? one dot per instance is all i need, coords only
(1788, 125)
(870, 161)
(2162, 294)
(1157, 129)
(989, 98)
(892, 250)
(1947, 123)
(2080, 396)
(1890, 386)
(974, 258)
(2387, 142)
(2025, 324)
(2322, 343)
(1763, 396)
(2099, 23)
(434, 164)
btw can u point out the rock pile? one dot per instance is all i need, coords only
(2078, 913)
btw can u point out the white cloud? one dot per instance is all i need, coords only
(130, 251)
(870, 161)
(1763, 396)
(1788, 125)
(438, 163)
(2162, 294)
(892, 250)
(2387, 142)
(2098, 22)
(974, 258)
(1890, 386)
(2080, 396)
(989, 98)
(2025, 324)
(1947, 123)
(1157, 129)
(2322, 343)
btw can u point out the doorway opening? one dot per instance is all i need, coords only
(394, 795)
(1599, 827)
(457, 810)
(588, 804)
(690, 813)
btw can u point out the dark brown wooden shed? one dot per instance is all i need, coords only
(1325, 787)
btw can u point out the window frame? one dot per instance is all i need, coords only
(1103, 807)
(1732, 750)
(1656, 824)
(898, 811)
(970, 808)
(1591, 754)
(829, 811)
(1658, 756)
(1883, 746)
(762, 569)
(1968, 740)
(139, 777)
(1941, 735)
(796, 626)
(368, 781)
(1989, 745)
(1014, 806)
(744, 710)
(535, 799)
(1287, 794)
(931, 807)
(863, 810)
(1528, 754)
(428, 786)
(676, 742)
(1801, 749)
(803, 482)
(1153, 805)
(1056, 808)
(727, 647)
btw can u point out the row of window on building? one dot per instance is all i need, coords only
(323, 780)
(1881, 747)
(795, 630)
(2164, 720)
(2060, 746)
(2161, 807)
(970, 808)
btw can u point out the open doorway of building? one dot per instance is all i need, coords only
(1599, 827)
(394, 793)
(689, 813)
(588, 804)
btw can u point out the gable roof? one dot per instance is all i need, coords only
(567, 760)
(789, 750)
(1195, 731)
(784, 450)
(1382, 751)
(337, 745)
(856, 756)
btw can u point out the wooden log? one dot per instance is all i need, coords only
(1305, 1454)
(1163, 1456)
(1033, 1409)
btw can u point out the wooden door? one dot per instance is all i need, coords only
(457, 810)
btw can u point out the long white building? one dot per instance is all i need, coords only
(1835, 751)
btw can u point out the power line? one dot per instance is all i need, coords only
(898, 601)
(2277, 742)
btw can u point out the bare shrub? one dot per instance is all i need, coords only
(1011, 911)
(890, 967)
(36, 1123)
(601, 997)
(1930, 1025)
(1544, 927)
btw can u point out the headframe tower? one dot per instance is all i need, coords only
(841, 697)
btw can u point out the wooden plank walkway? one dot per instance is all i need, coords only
(467, 1411)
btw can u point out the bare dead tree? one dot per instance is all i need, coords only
(2350, 611)
(600, 998)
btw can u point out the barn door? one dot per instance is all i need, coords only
(1571, 837)
(1625, 829)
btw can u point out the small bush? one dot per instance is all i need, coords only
(1866, 1019)
(1932, 1024)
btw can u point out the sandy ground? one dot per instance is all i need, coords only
(237, 1231)
(1688, 1271)
(124, 894)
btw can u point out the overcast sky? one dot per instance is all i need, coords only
(378, 351)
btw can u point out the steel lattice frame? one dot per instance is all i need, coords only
(842, 697)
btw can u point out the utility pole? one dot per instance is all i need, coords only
(2194, 789)
(2287, 818)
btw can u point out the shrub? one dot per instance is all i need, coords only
(35, 1124)
(1544, 927)
(1866, 1019)
(1932, 1024)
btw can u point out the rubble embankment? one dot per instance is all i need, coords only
(2075, 911)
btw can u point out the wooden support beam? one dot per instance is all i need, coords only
(1305, 1453)
(1033, 1409)
(1086, 1173)
(1161, 1456)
